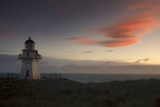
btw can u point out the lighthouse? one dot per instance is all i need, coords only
(29, 61)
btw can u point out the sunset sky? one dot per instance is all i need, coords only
(97, 32)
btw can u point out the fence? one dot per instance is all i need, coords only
(9, 75)
(51, 75)
(43, 75)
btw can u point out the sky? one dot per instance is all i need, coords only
(83, 36)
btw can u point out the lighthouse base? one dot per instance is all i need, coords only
(30, 70)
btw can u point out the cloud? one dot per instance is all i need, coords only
(3, 50)
(110, 51)
(82, 40)
(142, 60)
(88, 52)
(117, 43)
(129, 30)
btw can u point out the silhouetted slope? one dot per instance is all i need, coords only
(67, 93)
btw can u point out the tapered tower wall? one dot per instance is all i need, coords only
(35, 68)
(26, 69)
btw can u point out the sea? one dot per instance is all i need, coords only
(89, 78)
(96, 78)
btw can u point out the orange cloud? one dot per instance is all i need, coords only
(130, 30)
(137, 24)
(83, 40)
(124, 34)
(119, 43)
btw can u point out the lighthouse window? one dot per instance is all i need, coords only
(27, 54)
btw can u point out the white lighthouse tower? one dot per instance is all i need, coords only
(29, 59)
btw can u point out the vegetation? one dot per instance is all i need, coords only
(67, 93)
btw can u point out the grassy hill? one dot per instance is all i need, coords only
(67, 93)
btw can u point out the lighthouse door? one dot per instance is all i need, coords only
(27, 73)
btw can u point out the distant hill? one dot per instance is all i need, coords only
(67, 93)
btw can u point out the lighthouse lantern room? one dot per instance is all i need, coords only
(29, 61)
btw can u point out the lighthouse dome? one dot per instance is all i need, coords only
(29, 44)
(29, 41)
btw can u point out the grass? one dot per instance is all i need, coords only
(67, 93)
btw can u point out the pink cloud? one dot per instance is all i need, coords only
(130, 30)
(83, 40)
(118, 43)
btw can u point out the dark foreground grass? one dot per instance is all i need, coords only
(67, 93)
